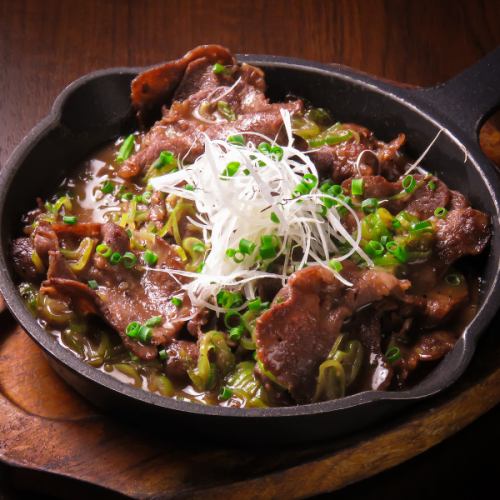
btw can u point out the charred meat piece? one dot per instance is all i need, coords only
(127, 295)
(22, 251)
(465, 231)
(298, 332)
(156, 86)
(196, 110)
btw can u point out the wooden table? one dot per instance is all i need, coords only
(44, 45)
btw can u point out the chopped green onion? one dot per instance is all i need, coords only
(335, 265)
(310, 180)
(432, 185)
(163, 354)
(228, 299)
(115, 258)
(132, 329)
(146, 197)
(70, 219)
(127, 196)
(218, 68)
(226, 111)
(398, 251)
(357, 187)
(453, 279)
(154, 321)
(225, 393)
(108, 187)
(126, 149)
(199, 247)
(150, 257)
(331, 139)
(165, 158)
(335, 190)
(246, 247)
(264, 148)
(145, 333)
(393, 354)
(129, 260)
(229, 318)
(236, 140)
(326, 186)
(440, 212)
(236, 333)
(268, 247)
(275, 218)
(409, 183)
(257, 305)
(104, 250)
(369, 205)
(277, 153)
(189, 187)
(300, 189)
(374, 248)
(396, 224)
(176, 301)
(421, 227)
(93, 284)
(231, 168)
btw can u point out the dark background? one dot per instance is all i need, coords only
(44, 45)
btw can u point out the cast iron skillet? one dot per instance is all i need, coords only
(96, 108)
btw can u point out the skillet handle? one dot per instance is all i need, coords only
(469, 98)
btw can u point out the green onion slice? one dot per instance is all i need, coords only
(129, 260)
(132, 329)
(126, 149)
(70, 219)
(150, 257)
(393, 354)
(176, 301)
(409, 183)
(335, 265)
(440, 212)
(357, 187)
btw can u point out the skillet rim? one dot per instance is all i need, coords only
(432, 384)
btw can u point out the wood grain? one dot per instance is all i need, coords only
(44, 46)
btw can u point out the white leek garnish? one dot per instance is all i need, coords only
(240, 206)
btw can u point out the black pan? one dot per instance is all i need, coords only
(96, 108)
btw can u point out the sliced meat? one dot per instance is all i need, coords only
(115, 237)
(45, 240)
(425, 200)
(443, 301)
(429, 347)
(465, 231)
(21, 251)
(81, 229)
(296, 334)
(339, 161)
(58, 267)
(156, 86)
(367, 327)
(126, 295)
(182, 129)
(181, 357)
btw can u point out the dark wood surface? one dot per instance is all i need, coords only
(44, 45)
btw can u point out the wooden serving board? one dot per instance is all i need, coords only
(58, 443)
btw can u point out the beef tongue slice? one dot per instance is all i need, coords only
(127, 295)
(297, 333)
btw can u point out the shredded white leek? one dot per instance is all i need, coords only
(230, 208)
